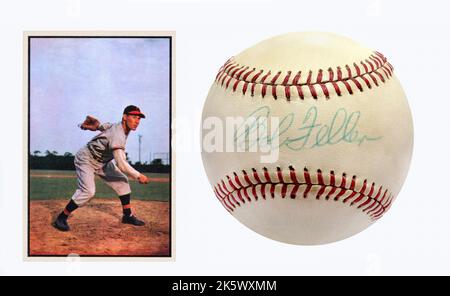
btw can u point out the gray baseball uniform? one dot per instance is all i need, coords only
(96, 159)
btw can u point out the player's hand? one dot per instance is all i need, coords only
(90, 123)
(143, 179)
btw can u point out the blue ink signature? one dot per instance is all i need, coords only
(301, 133)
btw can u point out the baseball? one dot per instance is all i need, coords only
(307, 137)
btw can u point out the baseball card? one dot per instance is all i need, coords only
(99, 140)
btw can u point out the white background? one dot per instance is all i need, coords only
(413, 238)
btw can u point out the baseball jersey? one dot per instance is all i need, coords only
(112, 137)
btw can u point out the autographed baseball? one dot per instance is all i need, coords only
(307, 137)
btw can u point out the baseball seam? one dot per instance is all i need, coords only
(315, 84)
(244, 188)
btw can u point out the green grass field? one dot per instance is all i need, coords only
(47, 185)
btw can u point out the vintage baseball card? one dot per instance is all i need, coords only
(99, 153)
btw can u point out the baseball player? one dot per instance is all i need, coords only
(96, 158)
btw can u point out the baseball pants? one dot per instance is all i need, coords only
(86, 169)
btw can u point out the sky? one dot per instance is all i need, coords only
(74, 77)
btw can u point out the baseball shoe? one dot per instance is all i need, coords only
(61, 224)
(132, 220)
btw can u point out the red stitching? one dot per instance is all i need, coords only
(372, 67)
(381, 76)
(246, 178)
(236, 85)
(287, 92)
(267, 176)
(339, 74)
(358, 71)
(313, 91)
(263, 190)
(378, 59)
(319, 76)
(308, 80)
(274, 86)
(287, 89)
(244, 88)
(272, 190)
(377, 63)
(365, 67)
(283, 191)
(370, 200)
(366, 81)
(371, 70)
(280, 175)
(349, 71)
(347, 86)
(297, 78)
(238, 75)
(358, 85)
(373, 79)
(300, 92)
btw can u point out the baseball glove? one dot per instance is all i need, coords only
(90, 123)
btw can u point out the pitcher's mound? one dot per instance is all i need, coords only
(96, 229)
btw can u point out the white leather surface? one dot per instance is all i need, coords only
(384, 113)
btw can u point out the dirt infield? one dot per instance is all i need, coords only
(96, 229)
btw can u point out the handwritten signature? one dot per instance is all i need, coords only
(296, 133)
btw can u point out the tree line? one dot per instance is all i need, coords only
(52, 160)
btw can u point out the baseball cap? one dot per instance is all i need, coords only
(133, 110)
